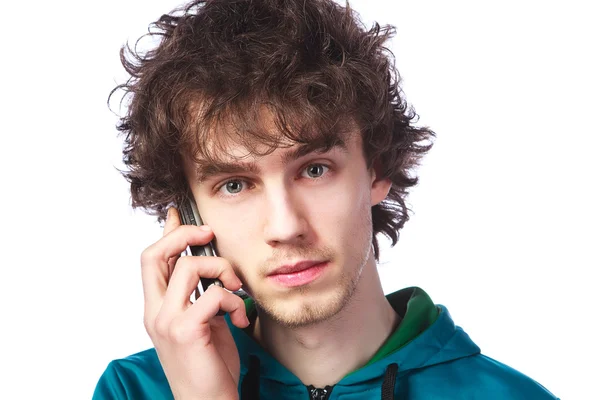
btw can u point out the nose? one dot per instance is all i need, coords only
(285, 221)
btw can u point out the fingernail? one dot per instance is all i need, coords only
(205, 228)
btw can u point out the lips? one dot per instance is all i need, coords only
(292, 268)
(299, 274)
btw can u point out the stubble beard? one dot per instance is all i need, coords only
(311, 314)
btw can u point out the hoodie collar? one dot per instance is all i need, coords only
(425, 336)
(417, 312)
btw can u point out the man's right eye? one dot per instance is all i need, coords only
(232, 186)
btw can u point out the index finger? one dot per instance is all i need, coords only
(155, 261)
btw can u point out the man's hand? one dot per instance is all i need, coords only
(194, 345)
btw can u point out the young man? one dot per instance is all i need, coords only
(284, 120)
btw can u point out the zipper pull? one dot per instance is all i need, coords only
(318, 393)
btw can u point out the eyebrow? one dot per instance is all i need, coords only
(206, 170)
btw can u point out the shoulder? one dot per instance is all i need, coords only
(138, 376)
(481, 377)
(504, 379)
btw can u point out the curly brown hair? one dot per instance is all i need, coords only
(220, 63)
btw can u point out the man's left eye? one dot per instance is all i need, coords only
(316, 170)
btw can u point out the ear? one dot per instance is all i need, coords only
(380, 187)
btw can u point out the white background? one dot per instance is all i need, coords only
(505, 224)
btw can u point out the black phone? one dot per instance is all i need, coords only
(189, 215)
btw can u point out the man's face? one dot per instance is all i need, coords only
(281, 211)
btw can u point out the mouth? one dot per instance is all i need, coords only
(297, 274)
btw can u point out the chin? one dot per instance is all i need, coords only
(307, 305)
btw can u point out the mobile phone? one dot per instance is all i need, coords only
(189, 215)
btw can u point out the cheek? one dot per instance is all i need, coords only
(342, 209)
(234, 244)
(233, 238)
(233, 229)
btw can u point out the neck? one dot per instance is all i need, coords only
(322, 354)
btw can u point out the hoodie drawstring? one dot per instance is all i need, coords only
(389, 382)
(251, 383)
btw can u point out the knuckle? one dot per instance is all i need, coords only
(236, 301)
(152, 327)
(225, 267)
(148, 325)
(148, 255)
(222, 266)
(216, 293)
(160, 326)
(183, 263)
(210, 267)
(240, 301)
(178, 333)
(185, 266)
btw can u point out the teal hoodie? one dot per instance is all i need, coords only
(426, 358)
